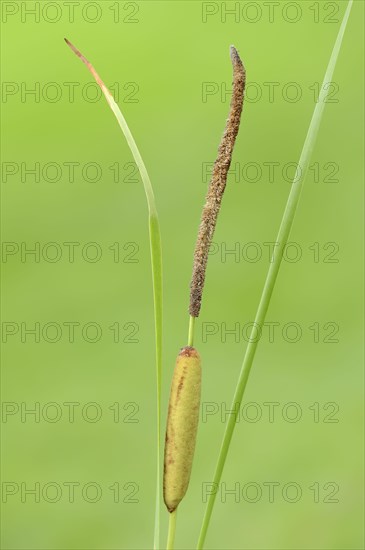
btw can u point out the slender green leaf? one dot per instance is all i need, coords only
(282, 238)
(156, 261)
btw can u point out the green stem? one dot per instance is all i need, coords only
(282, 238)
(156, 262)
(191, 331)
(172, 530)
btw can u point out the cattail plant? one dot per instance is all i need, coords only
(184, 404)
(183, 412)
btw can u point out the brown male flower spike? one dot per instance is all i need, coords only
(217, 185)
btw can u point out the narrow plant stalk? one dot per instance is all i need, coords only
(217, 185)
(191, 331)
(282, 238)
(172, 530)
(156, 263)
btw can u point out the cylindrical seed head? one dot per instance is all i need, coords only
(182, 425)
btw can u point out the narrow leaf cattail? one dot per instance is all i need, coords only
(183, 413)
(182, 425)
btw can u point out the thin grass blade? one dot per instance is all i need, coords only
(156, 262)
(282, 238)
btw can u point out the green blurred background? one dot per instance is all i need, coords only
(169, 64)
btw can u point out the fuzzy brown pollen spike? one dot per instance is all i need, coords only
(217, 185)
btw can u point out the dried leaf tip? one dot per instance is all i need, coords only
(217, 185)
(87, 63)
(77, 52)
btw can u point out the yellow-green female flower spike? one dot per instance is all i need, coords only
(182, 425)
